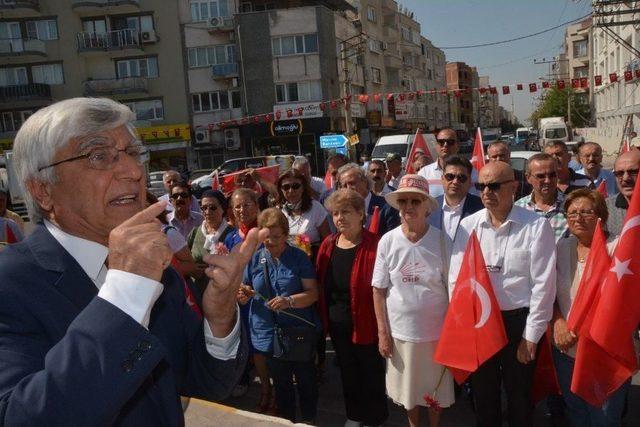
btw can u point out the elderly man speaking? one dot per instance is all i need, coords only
(94, 328)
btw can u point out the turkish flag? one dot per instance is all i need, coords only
(505, 90)
(8, 234)
(482, 90)
(560, 84)
(533, 87)
(473, 330)
(545, 379)
(618, 312)
(625, 146)
(419, 145)
(584, 82)
(519, 86)
(598, 80)
(575, 83)
(328, 180)
(374, 225)
(267, 173)
(493, 90)
(628, 75)
(477, 158)
(545, 85)
(602, 189)
(215, 183)
(613, 77)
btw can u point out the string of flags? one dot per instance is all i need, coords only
(365, 99)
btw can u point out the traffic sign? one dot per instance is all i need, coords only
(333, 141)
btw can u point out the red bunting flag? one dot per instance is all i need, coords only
(560, 84)
(584, 82)
(376, 98)
(389, 96)
(598, 80)
(575, 83)
(477, 158)
(300, 111)
(278, 114)
(374, 224)
(363, 99)
(473, 330)
(628, 75)
(444, 92)
(268, 117)
(457, 93)
(289, 113)
(533, 87)
(482, 90)
(613, 77)
(222, 125)
(545, 85)
(519, 86)
(410, 96)
(322, 106)
(401, 97)
(256, 119)
(493, 90)
(333, 105)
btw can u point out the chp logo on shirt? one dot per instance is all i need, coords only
(411, 272)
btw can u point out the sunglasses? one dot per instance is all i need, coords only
(631, 172)
(492, 186)
(451, 176)
(177, 195)
(542, 176)
(294, 186)
(211, 208)
(446, 141)
(413, 202)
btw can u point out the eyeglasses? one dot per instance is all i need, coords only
(175, 196)
(211, 208)
(294, 186)
(451, 176)
(542, 176)
(105, 158)
(631, 172)
(413, 202)
(243, 206)
(446, 141)
(585, 213)
(492, 186)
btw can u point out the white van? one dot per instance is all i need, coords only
(398, 144)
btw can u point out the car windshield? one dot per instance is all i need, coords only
(489, 138)
(518, 164)
(522, 134)
(381, 151)
(555, 133)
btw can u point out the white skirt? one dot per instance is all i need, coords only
(412, 373)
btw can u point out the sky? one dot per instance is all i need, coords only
(451, 23)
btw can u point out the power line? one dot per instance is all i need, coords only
(517, 38)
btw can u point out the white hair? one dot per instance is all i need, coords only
(50, 129)
(349, 167)
(300, 162)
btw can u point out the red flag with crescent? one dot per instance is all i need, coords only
(374, 225)
(267, 173)
(419, 146)
(477, 158)
(602, 189)
(625, 146)
(473, 330)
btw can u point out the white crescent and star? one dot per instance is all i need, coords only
(621, 268)
(485, 302)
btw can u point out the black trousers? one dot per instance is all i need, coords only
(504, 367)
(362, 371)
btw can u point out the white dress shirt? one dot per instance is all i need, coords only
(451, 217)
(131, 293)
(524, 249)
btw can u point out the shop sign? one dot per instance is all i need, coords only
(404, 109)
(373, 117)
(287, 127)
(301, 110)
(387, 122)
(168, 133)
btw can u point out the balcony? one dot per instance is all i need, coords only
(106, 87)
(224, 71)
(220, 24)
(392, 62)
(28, 92)
(109, 41)
(19, 8)
(22, 47)
(91, 7)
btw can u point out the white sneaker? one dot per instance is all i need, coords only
(239, 390)
(351, 423)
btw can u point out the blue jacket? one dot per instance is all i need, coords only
(69, 358)
(472, 204)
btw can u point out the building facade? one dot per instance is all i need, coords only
(577, 55)
(460, 78)
(488, 103)
(52, 50)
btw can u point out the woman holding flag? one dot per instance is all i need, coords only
(583, 209)
(410, 298)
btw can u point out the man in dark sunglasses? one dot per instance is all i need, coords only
(519, 251)
(182, 217)
(625, 170)
(456, 203)
(545, 199)
(446, 145)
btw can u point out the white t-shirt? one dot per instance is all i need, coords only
(413, 273)
(318, 185)
(308, 222)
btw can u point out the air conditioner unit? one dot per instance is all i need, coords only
(202, 136)
(149, 36)
(216, 22)
(232, 139)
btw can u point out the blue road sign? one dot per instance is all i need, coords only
(333, 141)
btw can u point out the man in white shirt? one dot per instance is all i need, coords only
(520, 254)
(377, 172)
(169, 179)
(590, 154)
(95, 323)
(318, 187)
(394, 169)
(447, 144)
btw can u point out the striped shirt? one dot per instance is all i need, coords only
(555, 215)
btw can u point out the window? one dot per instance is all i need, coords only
(147, 110)
(138, 67)
(50, 74)
(294, 45)
(579, 72)
(210, 101)
(136, 23)
(580, 48)
(406, 33)
(212, 55)
(201, 11)
(375, 75)
(10, 121)
(45, 29)
(429, 75)
(97, 26)
(376, 46)
(301, 91)
(13, 76)
(371, 14)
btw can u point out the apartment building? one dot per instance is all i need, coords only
(437, 104)
(52, 50)
(615, 101)
(488, 112)
(460, 79)
(577, 56)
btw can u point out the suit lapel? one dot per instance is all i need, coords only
(73, 282)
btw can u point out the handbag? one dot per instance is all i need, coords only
(290, 343)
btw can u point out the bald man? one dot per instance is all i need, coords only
(520, 255)
(625, 170)
(499, 152)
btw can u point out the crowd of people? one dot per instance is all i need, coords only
(368, 256)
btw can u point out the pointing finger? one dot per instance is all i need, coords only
(253, 239)
(148, 214)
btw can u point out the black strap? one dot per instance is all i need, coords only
(267, 279)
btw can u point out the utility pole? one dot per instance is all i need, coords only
(347, 87)
(555, 60)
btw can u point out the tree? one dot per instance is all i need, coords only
(554, 104)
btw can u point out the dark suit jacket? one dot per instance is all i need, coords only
(389, 217)
(472, 204)
(70, 358)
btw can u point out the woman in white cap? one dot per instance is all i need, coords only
(410, 300)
